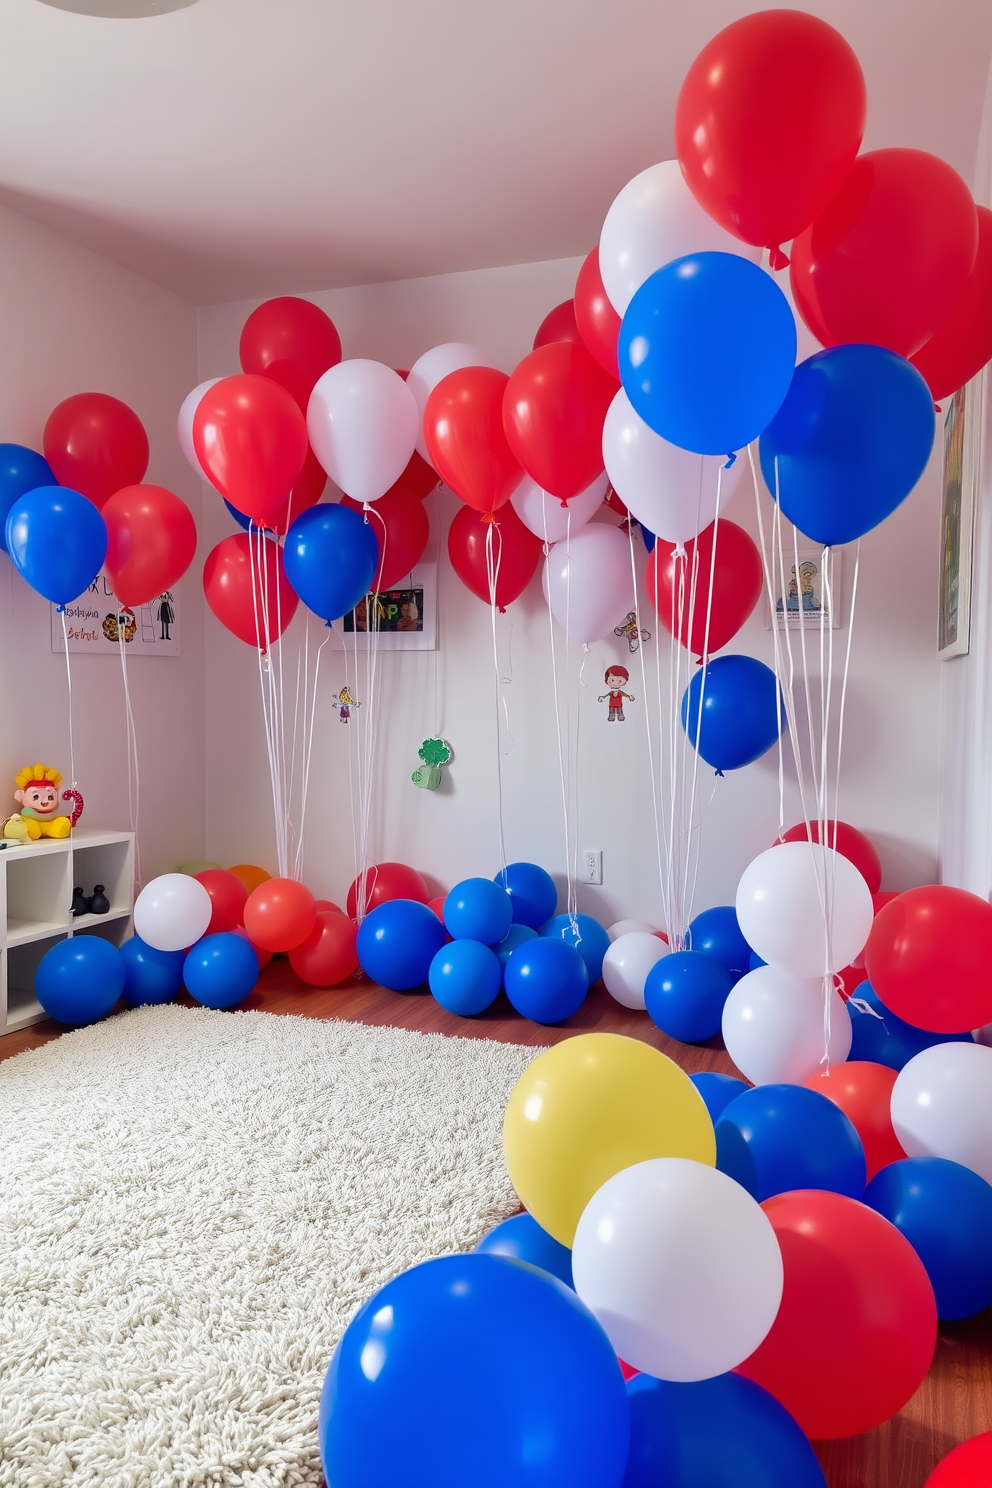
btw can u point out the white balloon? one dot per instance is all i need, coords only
(773, 1027)
(627, 963)
(588, 583)
(362, 420)
(654, 219)
(427, 371)
(551, 519)
(627, 927)
(780, 908)
(680, 1265)
(172, 912)
(671, 490)
(191, 403)
(942, 1105)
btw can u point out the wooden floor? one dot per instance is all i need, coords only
(955, 1400)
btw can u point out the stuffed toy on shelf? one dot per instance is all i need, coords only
(37, 795)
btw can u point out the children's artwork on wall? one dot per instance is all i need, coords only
(962, 442)
(616, 679)
(95, 623)
(804, 603)
(435, 753)
(405, 616)
(343, 703)
(630, 630)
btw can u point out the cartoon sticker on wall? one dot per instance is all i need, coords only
(434, 752)
(344, 701)
(630, 630)
(615, 678)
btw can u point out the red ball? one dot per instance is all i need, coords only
(328, 955)
(850, 843)
(856, 1330)
(968, 1466)
(863, 1091)
(279, 914)
(96, 445)
(929, 958)
(388, 881)
(228, 897)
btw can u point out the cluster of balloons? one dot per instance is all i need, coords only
(85, 504)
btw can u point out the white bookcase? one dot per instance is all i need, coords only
(35, 899)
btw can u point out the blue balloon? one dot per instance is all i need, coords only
(21, 470)
(546, 980)
(740, 716)
(79, 980)
(522, 1239)
(945, 1212)
(57, 540)
(725, 1432)
(586, 935)
(331, 555)
(397, 942)
(755, 961)
(684, 994)
(221, 970)
(532, 893)
(515, 936)
(879, 1037)
(648, 536)
(478, 909)
(776, 1138)
(465, 977)
(707, 349)
(716, 933)
(473, 1369)
(850, 441)
(717, 1090)
(150, 976)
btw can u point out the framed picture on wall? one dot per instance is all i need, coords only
(804, 603)
(404, 616)
(96, 623)
(962, 461)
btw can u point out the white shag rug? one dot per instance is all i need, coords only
(193, 1205)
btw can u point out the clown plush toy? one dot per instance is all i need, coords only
(37, 794)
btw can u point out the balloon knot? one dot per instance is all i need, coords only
(719, 774)
(777, 259)
(502, 609)
(679, 551)
(937, 408)
(731, 460)
(60, 610)
(564, 504)
(489, 516)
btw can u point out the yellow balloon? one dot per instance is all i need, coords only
(587, 1108)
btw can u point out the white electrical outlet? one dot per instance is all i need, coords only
(592, 865)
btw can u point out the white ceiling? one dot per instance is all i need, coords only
(248, 147)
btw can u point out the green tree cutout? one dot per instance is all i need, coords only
(434, 753)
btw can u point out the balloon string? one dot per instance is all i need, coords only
(260, 610)
(133, 775)
(558, 729)
(308, 735)
(693, 833)
(647, 720)
(492, 574)
(72, 745)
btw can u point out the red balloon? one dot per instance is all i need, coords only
(768, 123)
(401, 527)
(228, 896)
(151, 542)
(418, 480)
(863, 1091)
(279, 914)
(264, 957)
(598, 322)
(437, 905)
(292, 342)
(328, 904)
(968, 1466)
(328, 955)
(515, 550)
(388, 881)
(963, 343)
(737, 579)
(558, 325)
(237, 600)
(463, 431)
(929, 958)
(889, 257)
(554, 408)
(851, 978)
(849, 842)
(251, 439)
(96, 445)
(879, 901)
(856, 1330)
(306, 493)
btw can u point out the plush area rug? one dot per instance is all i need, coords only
(193, 1205)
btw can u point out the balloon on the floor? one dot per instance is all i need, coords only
(532, 891)
(397, 942)
(521, 1238)
(79, 980)
(681, 1267)
(514, 937)
(850, 843)
(879, 1037)
(387, 881)
(546, 980)
(329, 954)
(150, 977)
(279, 914)
(465, 976)
(626, 965)
(220, 970)
(929, 958)
(776, 1138)
(478, 909)
(773, 1027)
(967, 1466)
(394, 1410)
(717, 933)
(685, 994)
(228, 896)
(588, 1107)
(627, 927)
(779, 908)
(586, 935)
(942, 1105)
(863, 1091)
(172, 912)
(945, 1212)
(717, 1090)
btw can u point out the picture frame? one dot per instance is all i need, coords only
(407, 615)
(962, 464)
(96, 619)
(802, 605)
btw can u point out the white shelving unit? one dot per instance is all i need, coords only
(35, 899)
